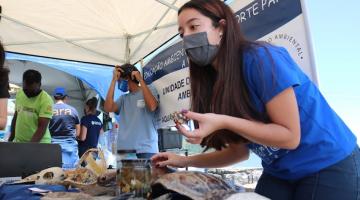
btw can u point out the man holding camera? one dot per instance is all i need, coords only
(136, 111)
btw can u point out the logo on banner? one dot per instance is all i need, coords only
(280, 37)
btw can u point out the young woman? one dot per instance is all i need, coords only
(91, 127)
(4, 89)
(253, 96)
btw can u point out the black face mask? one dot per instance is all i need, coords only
(31, 94)
(199, 50)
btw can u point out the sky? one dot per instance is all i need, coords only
(335, 31)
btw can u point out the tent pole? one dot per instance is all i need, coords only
(127, 49)
(168, 5)
(57, 37)
(148, 35)
(155, 28)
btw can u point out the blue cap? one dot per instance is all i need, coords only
(59, 92)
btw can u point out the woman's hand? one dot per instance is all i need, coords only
(208, 123)
(169, 159)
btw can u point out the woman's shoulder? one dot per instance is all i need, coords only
(93, 118)
(264, 55)
(85, 117)
(261, 49)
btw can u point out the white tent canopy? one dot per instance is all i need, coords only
(106, 32)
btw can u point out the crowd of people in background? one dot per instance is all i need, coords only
(37, 118)
(40, 118)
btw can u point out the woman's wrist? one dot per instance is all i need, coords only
(187, 161)
(223, 122)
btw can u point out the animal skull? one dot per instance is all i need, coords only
(52, 175)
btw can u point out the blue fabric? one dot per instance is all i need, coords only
(338, 181)
(20, 192)
(98, 77)
(69, 152)
(325, 139)
(123, 85)
(93, 125)
(62, 124)
(136, 123)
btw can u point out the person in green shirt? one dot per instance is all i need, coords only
(33, 111)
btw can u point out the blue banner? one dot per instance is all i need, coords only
(168, 61)
(262, 17)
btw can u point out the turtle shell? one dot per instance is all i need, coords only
(80, 177)
(191, 185)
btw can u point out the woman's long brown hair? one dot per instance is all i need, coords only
(222, 89)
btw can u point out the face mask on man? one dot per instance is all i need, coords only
(123, 85)
(31, 93)
(198, 49)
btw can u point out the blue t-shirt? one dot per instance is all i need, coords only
(93, 125)
(62, 124)
(325, 139)
(137, 123)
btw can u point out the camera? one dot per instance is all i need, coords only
(127, 69)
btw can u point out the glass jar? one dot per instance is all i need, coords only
(134, 177)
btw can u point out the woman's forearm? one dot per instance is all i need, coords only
(271, 134)
(228, 156)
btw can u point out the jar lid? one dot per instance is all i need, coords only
(126, 151)
(142, 162)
